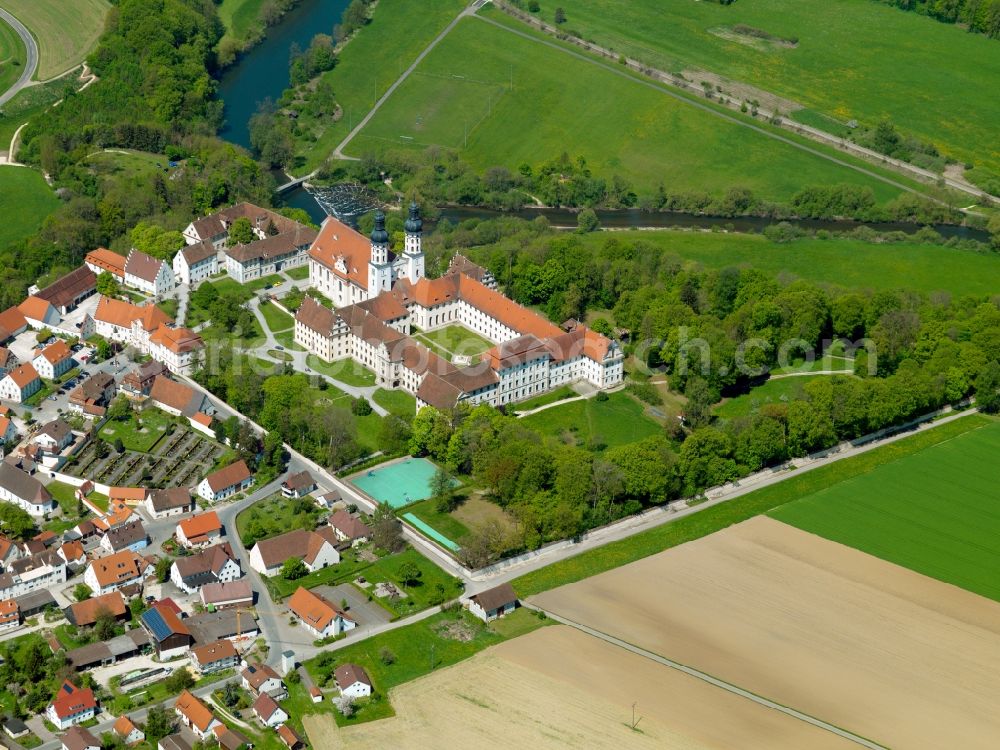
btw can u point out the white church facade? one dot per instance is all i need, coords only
(379, 297)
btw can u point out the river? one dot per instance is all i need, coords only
(263, 73)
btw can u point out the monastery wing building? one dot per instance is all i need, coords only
(380, 297)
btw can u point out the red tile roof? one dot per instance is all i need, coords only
(110, 261)
(71, 700)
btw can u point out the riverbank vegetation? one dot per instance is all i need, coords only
(246, 23)
(134, 105)
(904, 67)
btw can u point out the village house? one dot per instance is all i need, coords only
(129, 733)
(139, 381)
(73, 553)
(24, 491)
(289, 737)
(199, 531)
(215, 656)
(349, 528)
(10, 614)
(20, 384)
(260, 679)
(148, 274)
(115, 572)
(72, 705)
(493, 603)
(84, 614)
(352, 681)
(39, 313)
(268, 712)
(9, 551)
(195, 263)
(227, 594)
(195, 715)
(298, 485)
(12, 323)
(79, 738)
(41, 570)
(67, 292)
(117, 514)
(317, 549)
(225, 482)
(173, 501)
(54, 437)
(92, 397)
(51, 361)
(216, 564)
(318, 615)
(167, 632)
(177, 348)
(230, 739)
(130, 536)
(103, 260)
(176, 398)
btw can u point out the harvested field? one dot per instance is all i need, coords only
(900, 658)
(559, 688)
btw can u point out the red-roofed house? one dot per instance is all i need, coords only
(318, 614)
(103, 260)
(226, 482)
(126, 729)
(268, 711)
(72, 705)
(39, 313)
(200, 531)
(20, 383)
(53, 360)
(195, 715)
(10, 614)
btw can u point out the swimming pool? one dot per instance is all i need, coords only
(399, 483)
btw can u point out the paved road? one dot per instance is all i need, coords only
(704, 677)
(30, 65)
(507, 570)
(338, 152)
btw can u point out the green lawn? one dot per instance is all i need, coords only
(299, 273)
(854, 59)
(25, 201)
(610, 423)
(936, 512)
(64, 494)
(66, 30)
(852, 264)
(455, 339)
(460, 97)
(277, 320)
(422, 647)
(140, 166)
(559, 394)
(777, 391)
(369, 64)
(140, 434)
(740, 509)
(397, 402)
(433, 586)
(257, 284)
(274, 516)
(345, 370)
(169, 306)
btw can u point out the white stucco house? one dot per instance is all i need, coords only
(353, 681)
(148, 274)
(195, 263)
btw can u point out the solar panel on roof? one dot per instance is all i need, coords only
(155, 622)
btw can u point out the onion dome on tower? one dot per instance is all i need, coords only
(379, 235)
(414, 224)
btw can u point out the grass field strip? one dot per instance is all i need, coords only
(722, 115)
(715, 681)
